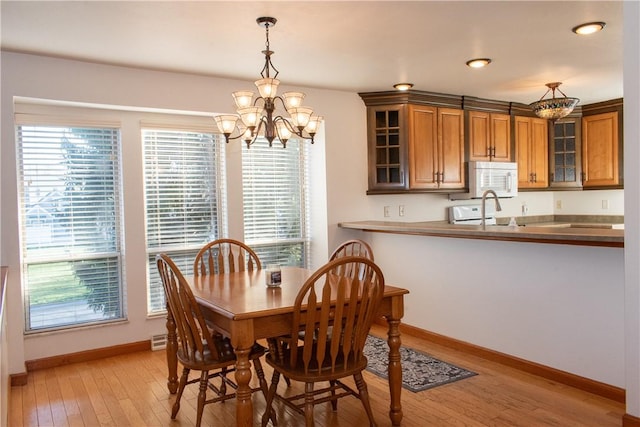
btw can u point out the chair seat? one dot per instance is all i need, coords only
(226, 354)
(299, 373)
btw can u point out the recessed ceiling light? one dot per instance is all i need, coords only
(478, 62)
(403, 86)
(588, 28)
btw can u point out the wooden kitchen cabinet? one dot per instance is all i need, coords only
(565, 154)
(436, 148)
(600, 151)
(387, 147)
(531, 152)
(489, 136)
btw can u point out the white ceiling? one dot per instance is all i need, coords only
(345, 45)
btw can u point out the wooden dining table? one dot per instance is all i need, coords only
(242, 307)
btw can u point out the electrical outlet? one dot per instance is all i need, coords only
(605, 204)
(386, 211)
(401, 210)
(558, 204)
(525, 209)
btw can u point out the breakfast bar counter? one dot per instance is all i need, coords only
(563, 234)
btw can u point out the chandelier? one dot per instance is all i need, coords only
(259, 117)
(554, 108)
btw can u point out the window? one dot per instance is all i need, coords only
(184, 199)
(69, 193)
(275, 202)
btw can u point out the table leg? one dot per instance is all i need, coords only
(244, 405)
(395, 371)
(172, 350)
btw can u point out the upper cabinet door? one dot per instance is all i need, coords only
(565, 156)
(423, 147)
(539, 160)
(479, 136)
(451, 148)
(600, 142)
(501, 137)
(531, 152)
(489, 136)
(436, 148)
(387, 147)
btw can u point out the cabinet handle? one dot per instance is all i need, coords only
(535, 177)
(401, 177)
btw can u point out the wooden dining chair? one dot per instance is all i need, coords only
(354, 247)
(341, 309)
(198, 349)
(223, 256)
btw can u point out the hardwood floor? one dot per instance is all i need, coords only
(130, 390)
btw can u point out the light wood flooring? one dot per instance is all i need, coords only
(130, 390)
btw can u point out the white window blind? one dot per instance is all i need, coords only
(69, 191)
(184, 196)
(275, 202)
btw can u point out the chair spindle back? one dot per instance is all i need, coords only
(336, 312)
(224, 256)
(191, 329)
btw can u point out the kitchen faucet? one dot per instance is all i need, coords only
(484, 203)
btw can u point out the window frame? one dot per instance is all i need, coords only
(59, 118)
(183, 255)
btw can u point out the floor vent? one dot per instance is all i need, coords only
(158, 342)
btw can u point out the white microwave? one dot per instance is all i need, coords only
(501, 177)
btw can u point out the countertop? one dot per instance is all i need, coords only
(550, 232)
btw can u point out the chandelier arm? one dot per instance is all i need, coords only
(282, 140)
(231, 138)
(561, 93)
(292, 129)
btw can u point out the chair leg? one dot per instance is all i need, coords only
(223, 385)
(257, 365)
(308, 405)
(334, 401)
(181, 386)
(275, 379)
(281, 347)
(202, 396)
(364, 397)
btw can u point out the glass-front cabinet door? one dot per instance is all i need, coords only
(387, 148)
(565, 153)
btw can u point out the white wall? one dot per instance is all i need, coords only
(590, 202)
(558, 305)
(632, 204)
